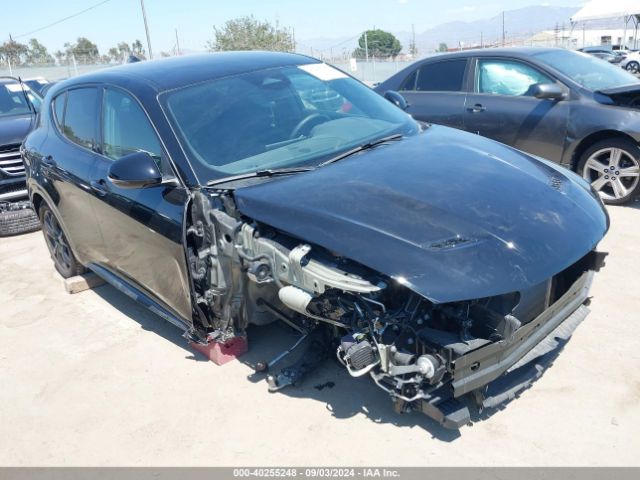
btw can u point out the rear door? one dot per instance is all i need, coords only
(69, 160)
(436, 92)
(142, 227)
(501, 108)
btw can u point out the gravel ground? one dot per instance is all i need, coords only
(95, 379)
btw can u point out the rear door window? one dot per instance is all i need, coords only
(80, 118)
(445, 76)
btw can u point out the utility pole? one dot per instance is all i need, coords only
(146, 29)
(9, 57)
(481, 39)
(366, 48)
(503, 36)
(177, 43)
(414, 50)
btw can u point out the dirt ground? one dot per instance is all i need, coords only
(95, 379)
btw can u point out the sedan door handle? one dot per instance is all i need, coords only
(100, 187)
(477, 108)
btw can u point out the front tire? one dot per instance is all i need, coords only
(63, 258)
(633, 67)
(612, 167)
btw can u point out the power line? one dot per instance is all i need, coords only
(62, 19)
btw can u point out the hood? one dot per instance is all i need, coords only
(625, 96)
(14, 129)
(449, 214)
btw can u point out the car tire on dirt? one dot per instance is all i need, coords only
(633, 67)
(63, 258)
(612, 167)
(16, 218)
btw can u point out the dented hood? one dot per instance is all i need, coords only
(451, 215)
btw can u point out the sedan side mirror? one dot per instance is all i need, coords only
(397, 99)
(549, 91)
(135, 170)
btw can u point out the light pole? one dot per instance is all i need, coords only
(146, 29)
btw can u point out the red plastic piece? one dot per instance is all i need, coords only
(223, 352)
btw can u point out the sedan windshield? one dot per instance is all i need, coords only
(590, 72)
(278, 118)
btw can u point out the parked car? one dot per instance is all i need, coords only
(37, 84)
(607, 55)
(558, 104)
(18, 108)
(213, 190)
(631, 62)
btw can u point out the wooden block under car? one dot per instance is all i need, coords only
(222, 352)
(83, 282)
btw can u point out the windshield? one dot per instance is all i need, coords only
(590, 72)
(278, 118)
(12, 101)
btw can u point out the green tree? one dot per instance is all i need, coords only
(114, 54)
(84, 50)
(124, 49)
(60, 56)
(37, 54)
(137, 48)
(443, 47)
(380, 44)
(14, 52)
(247, 33)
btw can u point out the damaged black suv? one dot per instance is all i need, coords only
(225, 190)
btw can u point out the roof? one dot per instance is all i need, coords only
(175, 72)
(490, 52)
(599, 9)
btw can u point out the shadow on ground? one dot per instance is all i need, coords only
(343, 396)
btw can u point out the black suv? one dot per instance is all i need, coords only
(18, 110)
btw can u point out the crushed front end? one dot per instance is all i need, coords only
(439, 358)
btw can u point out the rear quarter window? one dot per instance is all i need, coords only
(58, 105)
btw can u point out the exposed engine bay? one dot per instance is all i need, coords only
(623, 97)
(427, 356)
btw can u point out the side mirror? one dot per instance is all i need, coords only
(397, 99)
(135, 170)
(549, 91)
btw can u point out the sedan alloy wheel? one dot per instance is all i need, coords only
(633, 67)
(613, 172)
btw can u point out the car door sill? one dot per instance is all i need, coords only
(139, 296)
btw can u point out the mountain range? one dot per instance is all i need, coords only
(518, 24)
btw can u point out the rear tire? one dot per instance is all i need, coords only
(17, 218)
(63, 258)
(633, 67)
(612, 167)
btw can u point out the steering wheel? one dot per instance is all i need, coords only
(306, 122)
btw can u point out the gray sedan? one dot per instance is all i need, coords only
(558, 104)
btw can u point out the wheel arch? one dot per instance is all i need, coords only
(594, 138)
(37, 202)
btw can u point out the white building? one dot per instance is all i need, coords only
(580, 36)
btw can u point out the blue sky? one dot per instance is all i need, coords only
(119, 20)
